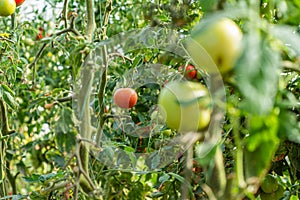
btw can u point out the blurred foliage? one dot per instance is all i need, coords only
(263, 109)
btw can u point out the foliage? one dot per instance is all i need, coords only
(46, 152)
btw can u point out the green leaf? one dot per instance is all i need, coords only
(205, 153)
(77, 58)
(34, 178)
(176, 176)
(261, 145)
(14, 197)
(8, 96)
(156, 194)
(208, 5)
(288, 36)
(262, 129)
(257, 74)
(289, 126)
(64, 130)
(164, 178)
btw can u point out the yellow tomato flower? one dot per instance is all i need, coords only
(6, 35)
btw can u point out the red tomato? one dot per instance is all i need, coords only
(190, 71)
(19, 2)
(125, 97)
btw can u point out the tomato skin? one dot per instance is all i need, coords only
(7, 7)
(125, 97)
(19, 2)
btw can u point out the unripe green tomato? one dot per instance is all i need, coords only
(218, 42)
(28, 41)
(185, 105)
(7, 7)
(277, 195)
(198, 75)
(167, 132)
(269, 184)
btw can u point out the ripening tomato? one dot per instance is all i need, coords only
(125, 97)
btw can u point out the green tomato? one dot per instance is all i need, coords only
(269, 184)
(185, 105)
(167, 132)
(217, 43)
(277, 195)
(7, 7)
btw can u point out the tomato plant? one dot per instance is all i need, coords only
(64, 134)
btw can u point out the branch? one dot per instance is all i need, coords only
(37, 57)
(103, 82)
(90, 28)
(85, 127)
(65, 99)
(13, 21)
(6, 39)
(217, 178)
(64, 12)
(111, 55)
